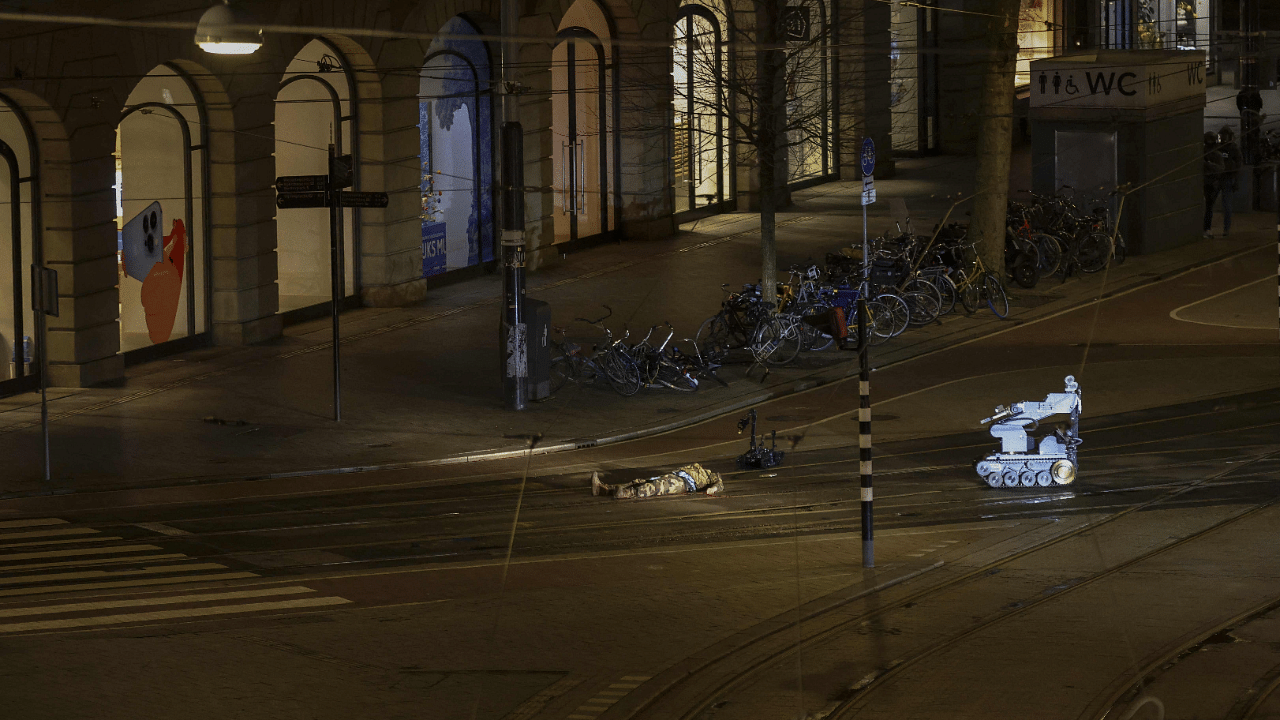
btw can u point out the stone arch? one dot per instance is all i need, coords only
(316, 106)
(458, 131)
(163, 219)
(585, 119)
(702, 152)
(36, 171)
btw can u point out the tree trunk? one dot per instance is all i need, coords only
(770, 66)
(768, 228)
(995, 134)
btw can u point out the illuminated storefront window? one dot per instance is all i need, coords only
(455, 123)
(1035, 36)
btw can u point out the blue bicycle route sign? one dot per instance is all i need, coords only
(868, 156)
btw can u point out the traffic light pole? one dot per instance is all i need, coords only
(864, 406)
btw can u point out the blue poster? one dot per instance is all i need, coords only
(455, 124)
(433, 248)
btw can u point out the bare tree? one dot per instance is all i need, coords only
(761, 88)
(995, 131)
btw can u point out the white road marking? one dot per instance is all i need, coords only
(95, 561)
(169, 614)
(23, 579)
(94, 539)
(31, 523)
(1175, 312)
(78, 551)
(47, 533)
(161, 528)
(170, 600)
(45, 589)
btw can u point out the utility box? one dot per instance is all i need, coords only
(1116, 118)
(537, 318)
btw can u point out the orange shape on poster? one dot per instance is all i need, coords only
(163, 285)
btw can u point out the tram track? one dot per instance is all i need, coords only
(1123, 694)
(736, 671)
(809, 515)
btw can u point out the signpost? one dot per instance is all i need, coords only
(304, 199)
(868, 162)
(44, 300)
(302, 183)
(295, 192)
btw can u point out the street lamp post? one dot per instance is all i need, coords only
(513, 338)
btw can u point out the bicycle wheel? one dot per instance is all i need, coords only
(677, 378)
(621, 371)
(971, 296)
(777, 340)
(899, 313)
(881, 323)
(715, 329)
(993, 293)
(1025, 271)
(926, 286)
(811, 337)
(1094, 252)
(947, 287)
(561, 371)
(1050, 253)
(923, 308)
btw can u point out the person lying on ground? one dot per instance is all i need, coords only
(685, 479)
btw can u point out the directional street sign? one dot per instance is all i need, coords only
(313, 199)
(364, 199)
(301, 183)
(868, 189)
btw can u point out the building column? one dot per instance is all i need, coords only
(77, 210)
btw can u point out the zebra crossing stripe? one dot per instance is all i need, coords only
(145, 602)
(69, 541)
(90, 621)
(24, 579)
(103, 550)
(96, 561)
(46, 589)
(39, 522)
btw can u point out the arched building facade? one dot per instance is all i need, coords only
(147, 179)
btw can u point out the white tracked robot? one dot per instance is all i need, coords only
(1020, 462)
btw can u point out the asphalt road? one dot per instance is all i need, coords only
(505, 590)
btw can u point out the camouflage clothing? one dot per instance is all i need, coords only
(685, 479)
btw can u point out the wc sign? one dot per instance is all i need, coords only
(1113, 80)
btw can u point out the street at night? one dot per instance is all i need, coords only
(639, 360)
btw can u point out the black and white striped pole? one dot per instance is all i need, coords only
(868, 160)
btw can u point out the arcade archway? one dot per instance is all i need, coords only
(313, 109)
(455, 122)
(19, 366)
(162, 216)
(584, 163)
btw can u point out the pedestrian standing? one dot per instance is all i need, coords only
(1232, 161)
(1213, 168)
